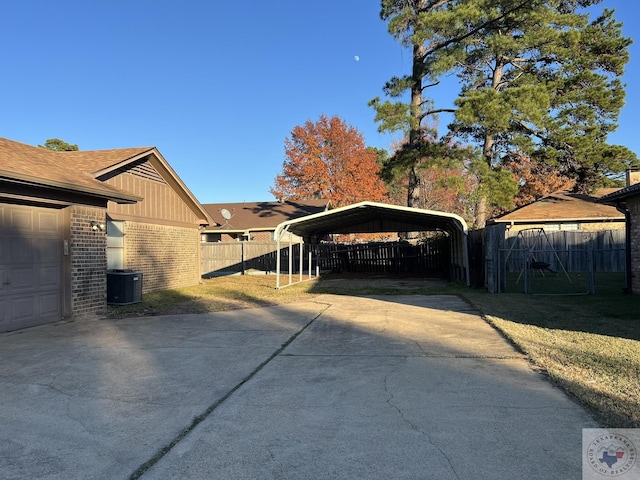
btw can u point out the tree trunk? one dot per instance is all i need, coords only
(413, 190)
(415, 129)
(488, 150)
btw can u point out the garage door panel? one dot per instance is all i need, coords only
(22, 308)
(49, 306)
(20, 278)
(21, 219)
(48, 222)
(48, 249)
(21, 250)
(49, 277)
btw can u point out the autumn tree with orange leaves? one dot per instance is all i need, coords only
(535, 179)
(328, 160)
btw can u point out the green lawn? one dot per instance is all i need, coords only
(588, 345)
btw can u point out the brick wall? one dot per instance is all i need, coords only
(261, 236)
(167, 256)
(634, 208)
(87, 249)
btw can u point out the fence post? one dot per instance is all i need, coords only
(242, 257)
(592, 276)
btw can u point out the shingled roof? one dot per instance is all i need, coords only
(260, 215)
(564, 207)
(622, 194)
(72, 171)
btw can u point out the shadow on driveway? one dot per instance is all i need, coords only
(405, 386)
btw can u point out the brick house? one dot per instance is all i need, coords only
(627, 201)
(255, 221)
(66, 217)
(564, 211)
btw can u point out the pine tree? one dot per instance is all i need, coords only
(536, 77)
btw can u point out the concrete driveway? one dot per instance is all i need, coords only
(415, 387)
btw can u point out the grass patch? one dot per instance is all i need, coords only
(589, 345)
(213, 295)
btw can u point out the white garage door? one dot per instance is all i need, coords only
(30, 266)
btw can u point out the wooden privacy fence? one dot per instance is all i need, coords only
(223, 258)
(430, 258)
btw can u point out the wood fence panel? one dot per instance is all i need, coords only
(430, 258)
(226, 257)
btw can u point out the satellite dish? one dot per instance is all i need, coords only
(226, 214)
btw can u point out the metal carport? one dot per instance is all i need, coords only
(373, 217)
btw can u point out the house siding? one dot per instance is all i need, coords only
(167, 256)
(88, 261)
(583, 226)
(160, 201)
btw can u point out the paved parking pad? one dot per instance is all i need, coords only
(384, 387)
(389, 387)
(98, 398)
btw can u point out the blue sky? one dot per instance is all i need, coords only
(216, 86)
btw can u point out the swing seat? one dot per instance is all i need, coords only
(541, 266)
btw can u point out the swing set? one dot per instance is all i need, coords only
(535, 242)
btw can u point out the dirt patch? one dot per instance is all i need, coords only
(359, 282)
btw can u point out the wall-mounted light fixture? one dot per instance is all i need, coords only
(97, 226)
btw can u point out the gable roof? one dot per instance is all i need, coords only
(86, 171)
(564, 207)
(45, 168)
(260, 215)
(148, 162)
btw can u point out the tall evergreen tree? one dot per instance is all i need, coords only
(537, 77)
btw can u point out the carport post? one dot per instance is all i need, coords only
(290, 261)
(278, 260)
(278, 264)
(309, 253)
(301, 258)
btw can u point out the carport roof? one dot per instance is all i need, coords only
(372, 217)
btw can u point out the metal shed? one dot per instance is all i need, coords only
(373, 217)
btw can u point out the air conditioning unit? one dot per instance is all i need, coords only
(124, 287)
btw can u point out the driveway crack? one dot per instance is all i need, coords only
(200, 418)
(412, 425)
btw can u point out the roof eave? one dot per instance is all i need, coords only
(120, 197)
(558, 220)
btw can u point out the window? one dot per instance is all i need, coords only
(570, 226)
(210, 237)
(115, 245)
